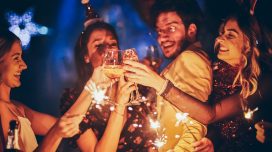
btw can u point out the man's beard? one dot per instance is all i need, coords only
(183, 45)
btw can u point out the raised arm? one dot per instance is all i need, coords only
(40, 122)
(201, 111)
(110, 139)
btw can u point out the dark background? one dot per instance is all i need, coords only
(50, 57)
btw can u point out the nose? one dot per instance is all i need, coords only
(23, 65)
(162, 37)
(220, 38)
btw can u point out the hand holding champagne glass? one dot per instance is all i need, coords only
(112, 65)
(130, 54)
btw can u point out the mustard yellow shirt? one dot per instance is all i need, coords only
(191, 72)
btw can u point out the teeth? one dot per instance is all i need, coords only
(167, 44)
(223, 48)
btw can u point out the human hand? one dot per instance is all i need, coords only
(264, 131)
(141, 74)
(124, 90)
(203, 145)
(68, 125)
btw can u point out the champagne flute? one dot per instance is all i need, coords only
(112, 66)
(153, 56)
(130, 54)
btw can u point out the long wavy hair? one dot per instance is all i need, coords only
(7, 39)
(249, 69)
(85, 70)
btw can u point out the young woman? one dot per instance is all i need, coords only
(235, 75)
(31, 122)
(125, 128)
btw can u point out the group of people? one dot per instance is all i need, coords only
(215, 93)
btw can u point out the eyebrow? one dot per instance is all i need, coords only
(15, 54)
(233, 30)
(173, 22)
(95, 40)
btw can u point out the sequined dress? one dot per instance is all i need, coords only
(235, 133)
(136, 134)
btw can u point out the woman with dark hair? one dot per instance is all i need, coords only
(103, 129)
(30, 122)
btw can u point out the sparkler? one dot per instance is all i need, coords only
(249, 113)
(160, 141)
(181, 117)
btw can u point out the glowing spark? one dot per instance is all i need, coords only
(154, 124)
(112, 108)
(160, 141)
(99, 95)
(135, 125)
(249, 113)
(177, 136)
(181, 117)
(130, 108)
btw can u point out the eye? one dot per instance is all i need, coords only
(99, 45)
(16, 59)
(113, 45)
(171, 29)
(230, 36)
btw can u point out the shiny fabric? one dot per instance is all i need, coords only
(190, 72)
(234, 133)
(136, 134)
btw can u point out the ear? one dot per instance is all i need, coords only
(86, 59)
(192, 31)
(246, 47)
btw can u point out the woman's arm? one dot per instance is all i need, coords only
(66, 126)
(40, 122)
(87, 141)
(110, 138)
(203, 112)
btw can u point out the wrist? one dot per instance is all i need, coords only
(119, 111)
(161, 86)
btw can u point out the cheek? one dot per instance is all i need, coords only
(179, 38)
(96, 60)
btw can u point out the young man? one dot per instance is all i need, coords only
(177, 25)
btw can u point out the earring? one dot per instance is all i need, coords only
(87, 59)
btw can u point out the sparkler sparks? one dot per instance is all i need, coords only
(160, 141)
(249, 113)
(154, 124)
(181, 117)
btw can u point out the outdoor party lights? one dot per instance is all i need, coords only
(24, 27)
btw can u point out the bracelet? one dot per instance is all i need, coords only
(163, 87)
(121, 114)
(167, 89)
(119, 104)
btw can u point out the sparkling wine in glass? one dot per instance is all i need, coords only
(131, 54)
(112, 65)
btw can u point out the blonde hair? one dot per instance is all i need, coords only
(249, 69)
(248, 74)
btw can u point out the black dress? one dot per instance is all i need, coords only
(136, 134)
(234, 134)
